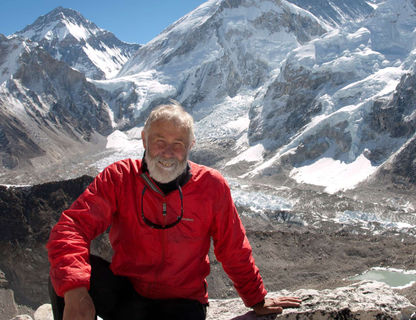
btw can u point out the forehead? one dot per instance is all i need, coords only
(169, 129)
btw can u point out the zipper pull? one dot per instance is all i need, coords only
(164, 209)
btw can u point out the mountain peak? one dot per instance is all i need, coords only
(71, 38)
(61, 11)
(58, 24)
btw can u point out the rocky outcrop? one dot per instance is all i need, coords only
(290, 103)
(397, 117)
(7, 304)
(8, 307)
(360, 301)
(27, 216)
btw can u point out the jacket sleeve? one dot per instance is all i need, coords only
(69, 241)
(233, 250)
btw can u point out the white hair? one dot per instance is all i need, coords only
(171, 112)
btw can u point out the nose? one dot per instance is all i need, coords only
(168, 151)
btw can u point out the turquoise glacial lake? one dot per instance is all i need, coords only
(391, 277)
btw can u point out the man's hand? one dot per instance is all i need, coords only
(276, 305)
(78, 305)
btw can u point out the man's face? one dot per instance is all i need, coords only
(167, 147)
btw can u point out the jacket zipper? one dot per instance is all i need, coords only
(163, 232)
(164, 211)
(162, 238)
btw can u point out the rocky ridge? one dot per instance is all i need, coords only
(365, 300)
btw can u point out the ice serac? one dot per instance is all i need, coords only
(71, 38)
(335, 13)
(346, 96)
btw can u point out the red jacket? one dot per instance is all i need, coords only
(168, 263)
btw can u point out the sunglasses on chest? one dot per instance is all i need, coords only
(151, 185)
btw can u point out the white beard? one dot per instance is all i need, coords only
(164, 170)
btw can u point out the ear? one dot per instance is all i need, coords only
(192, 144)
(144, 139)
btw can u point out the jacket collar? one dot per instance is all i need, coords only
(181, 180)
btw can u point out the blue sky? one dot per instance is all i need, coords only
(136, 21)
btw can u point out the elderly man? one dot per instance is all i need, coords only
(163, 211)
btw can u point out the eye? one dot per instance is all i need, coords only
(179, 146)
(160, 143)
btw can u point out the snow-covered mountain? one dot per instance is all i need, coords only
(331, 111)
(71, 38)
(313, 92)
(280, 89)
(48, 110)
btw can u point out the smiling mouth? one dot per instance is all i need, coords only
(166, 164)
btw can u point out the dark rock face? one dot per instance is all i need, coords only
(397, 117)
(74, 102)
(15, 142)
(401, 170)
(29, 212)
(27, 215)
(289, 104)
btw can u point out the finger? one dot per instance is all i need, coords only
(290, 303)
(295, 299)
(287, 300)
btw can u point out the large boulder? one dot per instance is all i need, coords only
(366, 300)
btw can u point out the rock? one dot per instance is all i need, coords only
(3, 281)
(8, 308)
(364, 300)
(44, 312)
(31, 213)
(22, 317)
